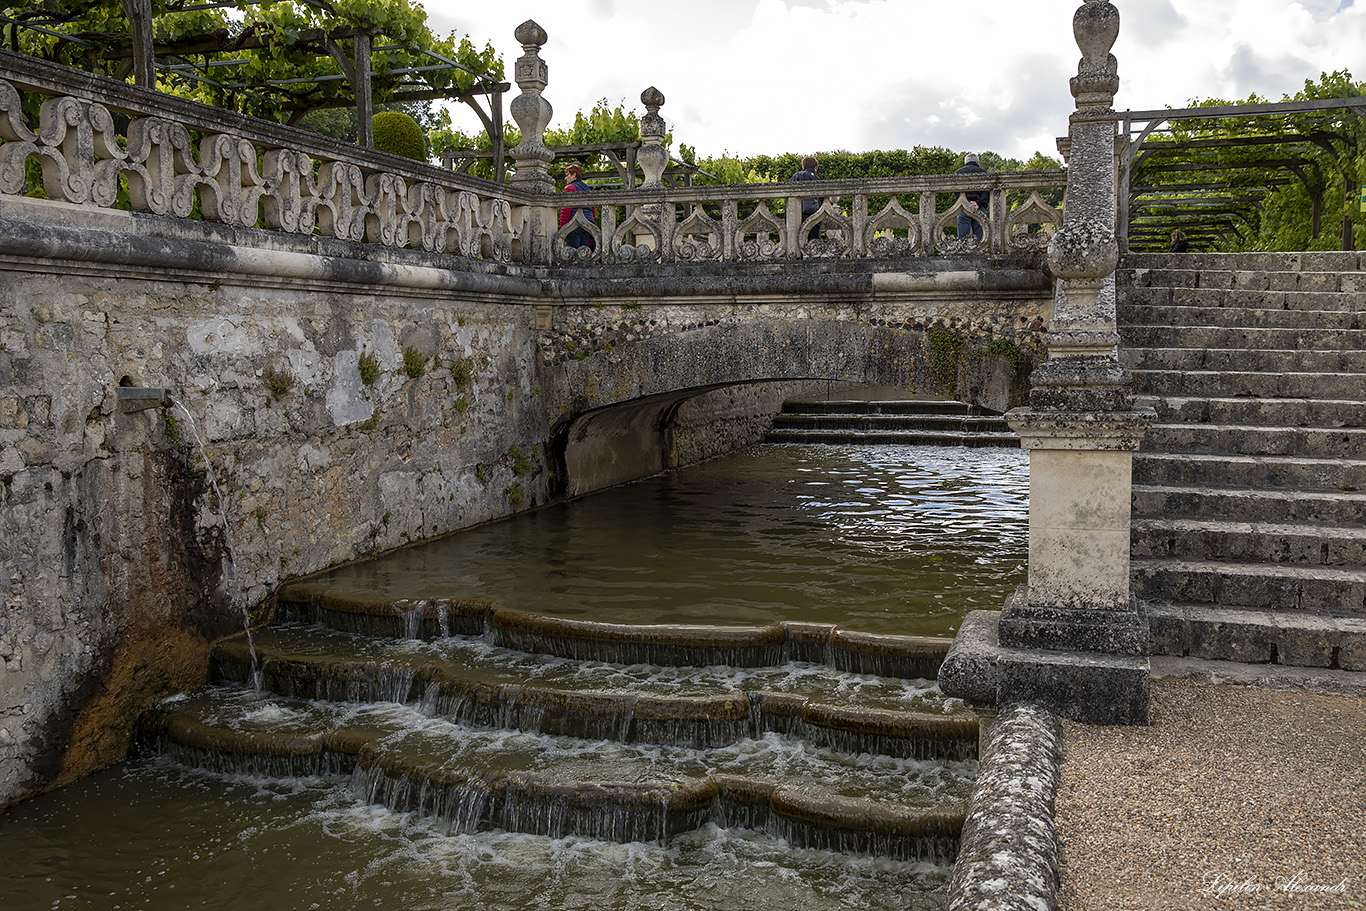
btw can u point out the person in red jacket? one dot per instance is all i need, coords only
(579, 237)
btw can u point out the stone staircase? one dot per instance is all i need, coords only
(903, 422)
(1249, 498)
(482, 718)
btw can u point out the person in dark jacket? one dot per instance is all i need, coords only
(1179, 242)
(978, 200)
(810, 204)
(573, 182)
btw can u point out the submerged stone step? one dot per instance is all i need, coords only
(895, 437)
(1251, 505)
(587, 640)
(555, 786)
(1270, 586)
(475, 684)
(1244, 542)
(897, 407)
(1165, 469)
(875, 423)
(1251, 439)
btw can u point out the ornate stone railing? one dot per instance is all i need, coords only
(102, 143)
(883, 217)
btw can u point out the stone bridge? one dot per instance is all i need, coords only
(344, 352)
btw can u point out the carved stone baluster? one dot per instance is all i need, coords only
(653, 159)
(730, 224)
(532, 113)
(929, 223)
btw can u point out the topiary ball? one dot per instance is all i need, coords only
(399, 134)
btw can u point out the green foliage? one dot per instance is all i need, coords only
(516, 496)
(287, 32)
(946, 347)
(278, 382)
(368, 367)
(414, 364)
(399, 133)
(999, 347)
(461, 404)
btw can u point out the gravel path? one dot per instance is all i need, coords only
(1236, 797)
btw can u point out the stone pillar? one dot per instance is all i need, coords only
(1081, 430)
(1074, 638)
(532, 113)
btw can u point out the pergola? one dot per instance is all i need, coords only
(1196, 186)
(197, 57)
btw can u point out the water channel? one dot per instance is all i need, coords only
(892, 540)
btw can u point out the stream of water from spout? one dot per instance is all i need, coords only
(232, 584)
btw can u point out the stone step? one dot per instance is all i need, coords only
(1248, 439)
(869, 423)
(1225, 383)
(461, 679)
(1269, 586)
(1242, 338)
(472, 779)
(1327, 413)
(1275, 360)
(1254, 472)
(1250, 505)
(1290, 638)
(1132, 314)
(1246, 542)
(895, 437)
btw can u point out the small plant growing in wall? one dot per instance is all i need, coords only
(945, 349)
(462, 373)
(414, 364)
(516, 496)
(461, 404)
(999, 347)
(368, 367)
(279, 382)
(520, 463)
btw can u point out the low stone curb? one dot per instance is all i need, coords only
(1008, 853)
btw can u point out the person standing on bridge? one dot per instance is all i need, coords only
(811, 204)
(978, 200)
(573, 182)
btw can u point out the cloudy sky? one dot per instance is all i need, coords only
(754, 76)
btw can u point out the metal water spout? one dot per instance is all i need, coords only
(133, 399)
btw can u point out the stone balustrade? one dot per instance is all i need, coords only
(107, 144)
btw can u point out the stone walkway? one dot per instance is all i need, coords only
(1236, 797)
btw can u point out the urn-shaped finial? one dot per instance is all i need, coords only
(530, 35)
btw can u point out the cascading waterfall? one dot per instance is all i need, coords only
(227, 541)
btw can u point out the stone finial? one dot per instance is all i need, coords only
(1095, 27)
(652, 157)
(531, 111)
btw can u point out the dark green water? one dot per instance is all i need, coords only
(889, 539)
(886, 539)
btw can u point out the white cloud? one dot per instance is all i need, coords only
(773, 76)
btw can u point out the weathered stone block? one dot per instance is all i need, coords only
(1283, 281)
(1251, 281)
(1093, 689)
(1306, 641)
(1169, 630)
(1228, 635)
(1329, 261)
(1352, 647)
(1210, 278)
